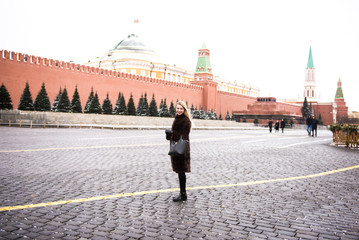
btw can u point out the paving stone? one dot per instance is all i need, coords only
(324, 207)
(99, 238)
(70, 238)
(134, 235)
(117, 237)
(32, 235)
(12, 236)
(164, 237)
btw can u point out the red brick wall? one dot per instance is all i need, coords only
(15, 71)
(232, 102)
(325, 110)
(342, 109)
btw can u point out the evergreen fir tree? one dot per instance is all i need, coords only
(196, 114)
(122, 110)
(164, 110)
(139, 106)
(5, 99)
(228, 117)
(107, 106)
(161, 104)
(172, 110)
(192, 108)
(76, 103)
(209, 115)
(117, 105)
(64, 103)
(305, 109)
(310, 109)
(56, 101)
(89, 100)
(131, 108)
(202, 114)
(153, 107)
(42, 102)
(215, 116)
(145, 109)
(95, 106)
(220, 117)
(26, 102)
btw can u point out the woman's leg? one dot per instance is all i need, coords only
(182, 181)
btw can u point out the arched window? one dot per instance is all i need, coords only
(312, 93)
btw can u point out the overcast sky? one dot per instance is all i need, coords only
(260, 42)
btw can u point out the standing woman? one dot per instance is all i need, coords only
(181, 127)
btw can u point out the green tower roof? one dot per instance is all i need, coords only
(339, 94)
(203, 63)
(310, 59)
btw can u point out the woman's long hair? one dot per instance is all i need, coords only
(186, 112)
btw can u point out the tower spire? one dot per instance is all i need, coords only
(310, 91)
(310, 59)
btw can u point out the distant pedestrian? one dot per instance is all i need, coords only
(276, 126)
(314, 126)
(309, 125)
(181, 127)
(282, 125)
(270, 125)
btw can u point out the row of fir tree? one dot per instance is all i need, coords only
(62, 103)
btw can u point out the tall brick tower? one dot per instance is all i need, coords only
(342, 109)
(203, 76)
(310, 91)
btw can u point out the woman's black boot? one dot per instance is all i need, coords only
(183, 195)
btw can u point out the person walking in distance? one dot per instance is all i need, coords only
(314, 126)
(276, 126)
(270, 125)
(181, 165)
(282, 125)
(309, 125)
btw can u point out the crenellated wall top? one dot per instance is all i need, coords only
(69, 66)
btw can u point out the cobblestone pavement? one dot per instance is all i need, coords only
(72, 164)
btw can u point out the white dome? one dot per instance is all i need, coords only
(131, 48)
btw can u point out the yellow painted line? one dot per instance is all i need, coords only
(80, 200)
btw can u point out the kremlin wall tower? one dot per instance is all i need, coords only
(132, 68)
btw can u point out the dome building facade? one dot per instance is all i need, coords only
(132, 56)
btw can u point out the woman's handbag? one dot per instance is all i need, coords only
(178, 149)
